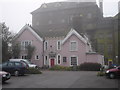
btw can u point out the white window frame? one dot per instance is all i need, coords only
(46, 46)
(23, 43)
(45, 60)
(36, 57)
(23, 56)
(76, 46)
(58, 45)
(71, 60)
(57, 59)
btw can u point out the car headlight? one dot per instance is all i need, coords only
(4, 75)
(107, 71)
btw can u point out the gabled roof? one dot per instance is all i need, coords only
(27, 27)
(73, 32)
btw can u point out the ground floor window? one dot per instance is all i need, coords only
(58, 59)
(37, 57)
(64, 59)
(73, 60)
(24, 56)
(46, 60)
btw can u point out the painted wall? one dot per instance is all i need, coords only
(96, 58)
(27, 35)
(80, 53)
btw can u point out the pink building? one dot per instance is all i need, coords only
(68, 50)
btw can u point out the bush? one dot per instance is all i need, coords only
(33, 71)
(89, 66)
(61, 68)
(101, 73)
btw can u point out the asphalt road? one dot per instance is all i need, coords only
(62, 79)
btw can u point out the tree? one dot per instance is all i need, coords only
(30, 51)
(16, 50)
(6, 40)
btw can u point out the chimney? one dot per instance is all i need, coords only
(101, 5)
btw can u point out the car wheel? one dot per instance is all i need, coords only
(112, 75)
(16, 73)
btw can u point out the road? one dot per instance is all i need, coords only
(62, 79)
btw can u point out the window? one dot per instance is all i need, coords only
(17, 64)
(10, 64)
(73, 60)
(37, 57)
(45, 45)
(24, 44)
(24, 56)
(58, 59)
(45, 60)
(73, 46)
(89, 16)
(64, 59)
(58, 45)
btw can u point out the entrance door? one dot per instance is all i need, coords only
(52, 62)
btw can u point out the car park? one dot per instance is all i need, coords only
(113, 73)
(4, 76)
(15, 67)
(31, 65)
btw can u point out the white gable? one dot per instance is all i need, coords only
(72, 31)
(31, 30)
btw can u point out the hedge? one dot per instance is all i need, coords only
(61, 68)
(33, 71)
(89, 66)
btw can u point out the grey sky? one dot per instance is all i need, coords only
(16, 13)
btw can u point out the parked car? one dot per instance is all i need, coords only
(15, 67)
(4, 76)
(113, 73)
(31, 65)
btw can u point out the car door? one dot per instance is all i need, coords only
(119, 71)
(5, 66)
(11, 67)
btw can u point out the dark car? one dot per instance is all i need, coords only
(113, 73)
(15, 67)
(4, 76)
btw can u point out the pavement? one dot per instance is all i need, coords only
(62, 79)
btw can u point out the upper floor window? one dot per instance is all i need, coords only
(45, 45)
(89, 16)
(73, 46)
(58, 45)
(24, 44)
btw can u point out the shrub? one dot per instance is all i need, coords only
(101, 73)
(61, 68)
(89, 66)
(33, 71)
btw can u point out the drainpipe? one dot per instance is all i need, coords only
(43, 51)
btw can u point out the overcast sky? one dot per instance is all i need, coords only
(16, 13)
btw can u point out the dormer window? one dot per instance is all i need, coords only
(44, 5)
